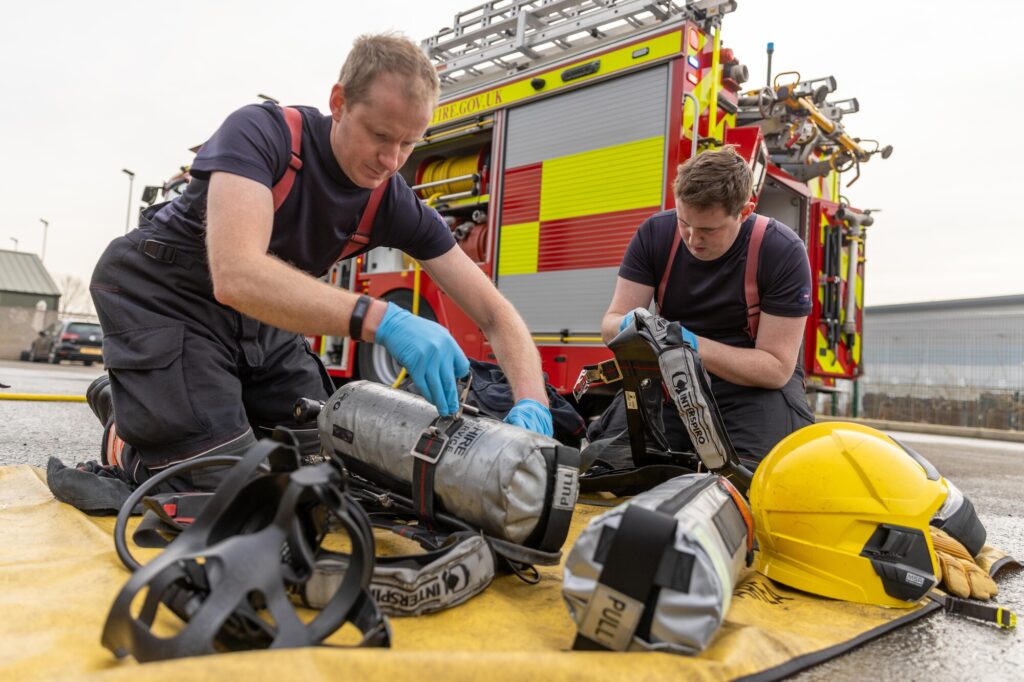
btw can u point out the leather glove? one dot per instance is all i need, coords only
(529, 414)
(959, 574)
(428, 352)
(992, 560)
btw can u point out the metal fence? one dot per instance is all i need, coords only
(959, 363)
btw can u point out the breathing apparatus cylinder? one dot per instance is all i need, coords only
(511, 483)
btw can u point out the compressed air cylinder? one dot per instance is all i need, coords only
(501, 478)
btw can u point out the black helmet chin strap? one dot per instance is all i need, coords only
(988, 613)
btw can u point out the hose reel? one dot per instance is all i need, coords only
(454, 177)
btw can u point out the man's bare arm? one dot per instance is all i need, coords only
(628, 295)
(769, 364)
(240, 214)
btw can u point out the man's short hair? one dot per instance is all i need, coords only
(374, 54)
(714, 178)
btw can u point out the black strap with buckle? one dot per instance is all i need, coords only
(989, 613)
(627, 590)
(165, 253)
(428, 452)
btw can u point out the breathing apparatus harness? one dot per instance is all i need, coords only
(457, 563)
(651, 352)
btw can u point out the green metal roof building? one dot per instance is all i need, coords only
(29, 301)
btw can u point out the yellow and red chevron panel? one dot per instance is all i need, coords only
(578, 211)
(569, 243)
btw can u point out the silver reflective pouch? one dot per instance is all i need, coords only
(681, 604)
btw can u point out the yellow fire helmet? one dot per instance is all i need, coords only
(842, 510)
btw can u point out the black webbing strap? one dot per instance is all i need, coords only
(990, 613)
(626, 591)
(167, 516)
(397, 522)
(630, 481)
(675, 570)
(428, 452)
(165, 253)
(564, 490)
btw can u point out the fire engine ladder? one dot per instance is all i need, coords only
(504, 37)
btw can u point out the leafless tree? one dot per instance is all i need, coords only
(75, 298)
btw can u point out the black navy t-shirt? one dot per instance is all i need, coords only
(323, 208)
(707, 297)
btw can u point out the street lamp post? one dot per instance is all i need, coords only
(15, 242)
(46, 228)
(128, 215)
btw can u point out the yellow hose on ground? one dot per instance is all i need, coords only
(45, 397)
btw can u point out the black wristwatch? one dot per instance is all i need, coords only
(355, 323)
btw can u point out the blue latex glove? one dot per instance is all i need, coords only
(428, 352)
(531, 415)
(689, 337)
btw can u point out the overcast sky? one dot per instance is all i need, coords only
(90, 88)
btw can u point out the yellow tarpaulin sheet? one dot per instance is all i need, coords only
(59, 575)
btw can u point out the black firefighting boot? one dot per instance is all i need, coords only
(98, 397)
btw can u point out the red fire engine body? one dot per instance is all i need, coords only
(559, 131)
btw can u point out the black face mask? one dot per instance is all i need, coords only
(227, 576)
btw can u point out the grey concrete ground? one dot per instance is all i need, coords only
(939, 647)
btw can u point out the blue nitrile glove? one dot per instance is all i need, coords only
(627, 319)
(688, 336)
(531, 415)
(428, 352)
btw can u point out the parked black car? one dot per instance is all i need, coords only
(68, 341)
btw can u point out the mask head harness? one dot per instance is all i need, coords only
(227, 576)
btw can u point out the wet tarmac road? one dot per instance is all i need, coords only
(938, 647)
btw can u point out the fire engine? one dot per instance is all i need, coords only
(559, 130)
